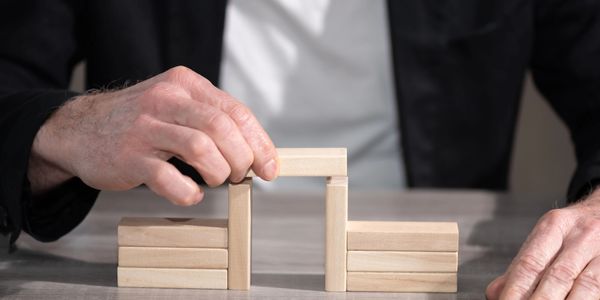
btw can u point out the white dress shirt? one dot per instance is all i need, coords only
(318, 73)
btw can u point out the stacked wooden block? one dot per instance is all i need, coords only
(402, 256)
(189, 253)
(359, 256)
(172, 253)
(193, 253)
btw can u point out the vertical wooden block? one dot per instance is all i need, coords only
(336, 216)
(240, 231)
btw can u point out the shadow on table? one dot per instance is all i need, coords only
(501, 238)
(33, 266)
(308, 282)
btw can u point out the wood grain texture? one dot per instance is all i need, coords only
(240, 232)
(402, 282)
(336, 217)
(189, 258)
(402, 261)
(311, 162)
(172, 278)
(403, 236)
(173, 232)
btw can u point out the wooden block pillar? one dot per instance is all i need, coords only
(240, 232)
(336, 217)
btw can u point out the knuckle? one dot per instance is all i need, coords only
(217, 178)
(553, 215)
(142, 126)
(178, 73)
(158, 177)
(156, 90)
(552, 219)
(515, 292)
(243, 161)
(530, 265)
(246, 159)
(267, 149)
(591, 225)
(562, 274)
(220, 124)
(241, 113)
(198, 145)
(589, 280)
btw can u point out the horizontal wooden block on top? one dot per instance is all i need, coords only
(402, 282)
(318, 162)
(173, 232)
(172, 278)
(403, 236)
(188, 258)
(402, 261)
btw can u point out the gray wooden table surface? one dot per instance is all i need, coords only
(288, 243)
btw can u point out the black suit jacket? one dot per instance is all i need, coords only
(459, 68)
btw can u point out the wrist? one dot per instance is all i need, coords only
(49, 163)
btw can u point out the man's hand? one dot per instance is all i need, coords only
(560, 258)
(119, 140)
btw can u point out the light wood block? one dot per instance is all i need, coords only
(396, 261)
(403, 236)
(172, 232)
(188, 258)
(171, 278)
(402, 282)
(240, 231)
(336, 217)
(311, 162)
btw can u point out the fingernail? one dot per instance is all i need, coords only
(270, 170)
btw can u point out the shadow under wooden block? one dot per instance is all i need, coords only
(403, 236)
(316, 162)
(186, 258)
(402, 282)
(173, 232)
(172, 278)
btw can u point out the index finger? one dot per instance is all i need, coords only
(535, 256)
(266, 164)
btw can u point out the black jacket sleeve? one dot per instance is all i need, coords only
(38, 49)
(566, 69)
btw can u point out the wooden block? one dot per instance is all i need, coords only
(188, 258)
(311, 162)
(172, 232)
(403, 236)
(336, 217)
(396, 261)
(172, 278)
(240, 231)
(402, 282)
